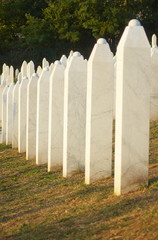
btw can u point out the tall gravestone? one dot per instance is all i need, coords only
(74, 115)
(39, 70)
(99, 114)
(45, 63)
(56, 107)
(15, 113)
(22, 115)
(132, 109)
(9, 110)
(31, 117)
(16, 73)
(63, 60)
(154, 80)
(2, 86)
(11, 74)
(70, 55)
(4, 107)
(30, 69)
(24, 69)
(7, 75)
(42, 117)
(51, 67)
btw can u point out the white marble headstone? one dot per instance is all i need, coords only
(16, 72)
(154, 80)
(74, 115)
(42, 117)
(15, 114)
(31, 117)
(132, 109)
(63, 60)
(11, 71)
(100, 91)
(9, 114)
(24, 69)
(51, 67)
(39, 70)
(56, 107)
(1, 91)
(70, 55)
(30, 69)
(22, 115)
(45, 63)
(4, 108)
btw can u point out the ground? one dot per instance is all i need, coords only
(37, 205)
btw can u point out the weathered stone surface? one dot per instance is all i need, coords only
(42, 117)
(4, 108)
(9, 111)
(100, 91)
(74, 115)
(56, 107)
(15, 114)
(31, 117)
(154, 80)
(132, 109)
(22, 115)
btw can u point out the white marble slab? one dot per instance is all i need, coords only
(39, 70)
(100, 92)
(6, 75)
(63, 60)
(4, 108)
(42, 117)
(74, 115)
(24, 69)
(11, 73)
(31, 117)
(15, 114)
(1, 91)
(16, 73)
(56, 107)
(22, 115)
(51, 67)
(132, 109)
(45, 63)
(154, 80)
(9, 114)
(30, 69)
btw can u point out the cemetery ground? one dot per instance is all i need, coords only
(36, 204)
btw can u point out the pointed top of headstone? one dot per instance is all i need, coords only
(24, 63)
(154, 41)
(63, 60)
(45, 63)
(101, 41)
(70, 55)
(16, 72)
(3, 67)
(76, 54)
(46, 69)
(134, 23)
(57, 62)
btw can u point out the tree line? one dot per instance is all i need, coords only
(33, 29)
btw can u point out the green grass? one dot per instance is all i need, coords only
(39, 205)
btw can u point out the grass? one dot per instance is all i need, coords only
(37, 205)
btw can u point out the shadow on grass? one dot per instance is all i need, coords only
(83, 225)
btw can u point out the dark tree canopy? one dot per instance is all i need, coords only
(32, 29)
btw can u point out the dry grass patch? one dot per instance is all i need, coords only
(39, 205)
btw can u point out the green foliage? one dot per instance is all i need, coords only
(69, 24)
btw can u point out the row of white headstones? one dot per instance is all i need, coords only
(63, 114)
